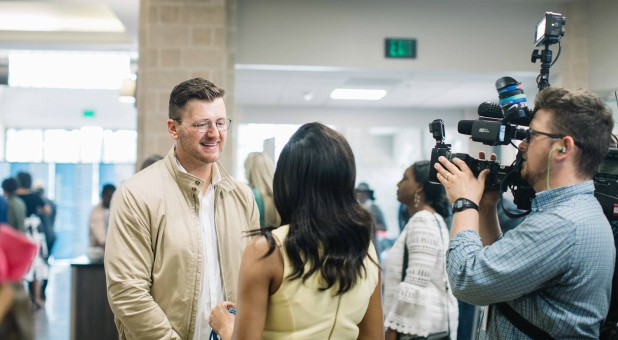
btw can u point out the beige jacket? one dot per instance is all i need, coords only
(153, 256)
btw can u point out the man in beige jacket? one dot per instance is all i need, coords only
(175, 235)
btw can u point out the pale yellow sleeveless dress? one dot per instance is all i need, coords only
(300, 311)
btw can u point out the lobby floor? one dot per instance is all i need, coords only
(53, 321)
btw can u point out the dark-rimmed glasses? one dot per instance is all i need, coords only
(531, 132)
(202, 126)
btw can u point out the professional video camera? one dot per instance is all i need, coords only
(499, 174)
(499, 124)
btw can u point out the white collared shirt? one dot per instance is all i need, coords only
(211, 292)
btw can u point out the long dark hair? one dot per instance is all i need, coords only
(435, 195)
(314, 193)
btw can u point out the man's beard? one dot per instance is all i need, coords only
(532, 177)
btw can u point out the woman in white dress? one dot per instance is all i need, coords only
(418, 302)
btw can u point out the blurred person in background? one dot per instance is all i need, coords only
(35, 205)
(36, 208)
(316, 276)
(403, 216)
(16, 207)
(39, 270)
(417, 299)
(99, 218)
(150, 161)
(260, 171)
(4, 210)
(379, 234)
(16, 255)
(48, 220)
(364, 194)
(47, 223)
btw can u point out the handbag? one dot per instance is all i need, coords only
(443, 335)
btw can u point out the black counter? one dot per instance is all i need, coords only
(91, 317)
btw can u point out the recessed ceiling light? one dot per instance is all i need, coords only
(358, 94)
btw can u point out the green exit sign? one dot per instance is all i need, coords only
(400, 48)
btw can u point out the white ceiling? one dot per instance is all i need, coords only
(311, 87)
(53, 25)
(272, 85)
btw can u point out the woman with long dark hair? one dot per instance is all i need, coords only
(417, 299)
(316, 276)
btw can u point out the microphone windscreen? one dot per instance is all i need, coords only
(492, 110)
(465, 127)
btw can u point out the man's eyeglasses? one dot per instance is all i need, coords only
(203, 125)
(530, 133)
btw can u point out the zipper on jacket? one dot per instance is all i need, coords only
(219, 192)
(193, 316)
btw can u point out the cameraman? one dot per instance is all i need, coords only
(552, 273)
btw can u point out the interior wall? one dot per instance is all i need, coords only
(472, 35)
(64, 108)
(602, 47)
(359, 117)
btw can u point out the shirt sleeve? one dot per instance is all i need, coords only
(519, 262)
(408, 314)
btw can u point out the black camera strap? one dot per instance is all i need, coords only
(522, 324)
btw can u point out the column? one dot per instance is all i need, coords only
(179, 40)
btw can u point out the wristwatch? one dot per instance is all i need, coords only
(462, 204)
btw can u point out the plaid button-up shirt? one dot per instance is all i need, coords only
(555, 268)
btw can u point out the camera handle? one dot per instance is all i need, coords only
(523, 193)
(545, 56)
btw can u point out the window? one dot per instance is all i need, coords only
(24, 145)
(69, 70)
(86, 145)
(119, 146)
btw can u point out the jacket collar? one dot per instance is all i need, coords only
(187, 180)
